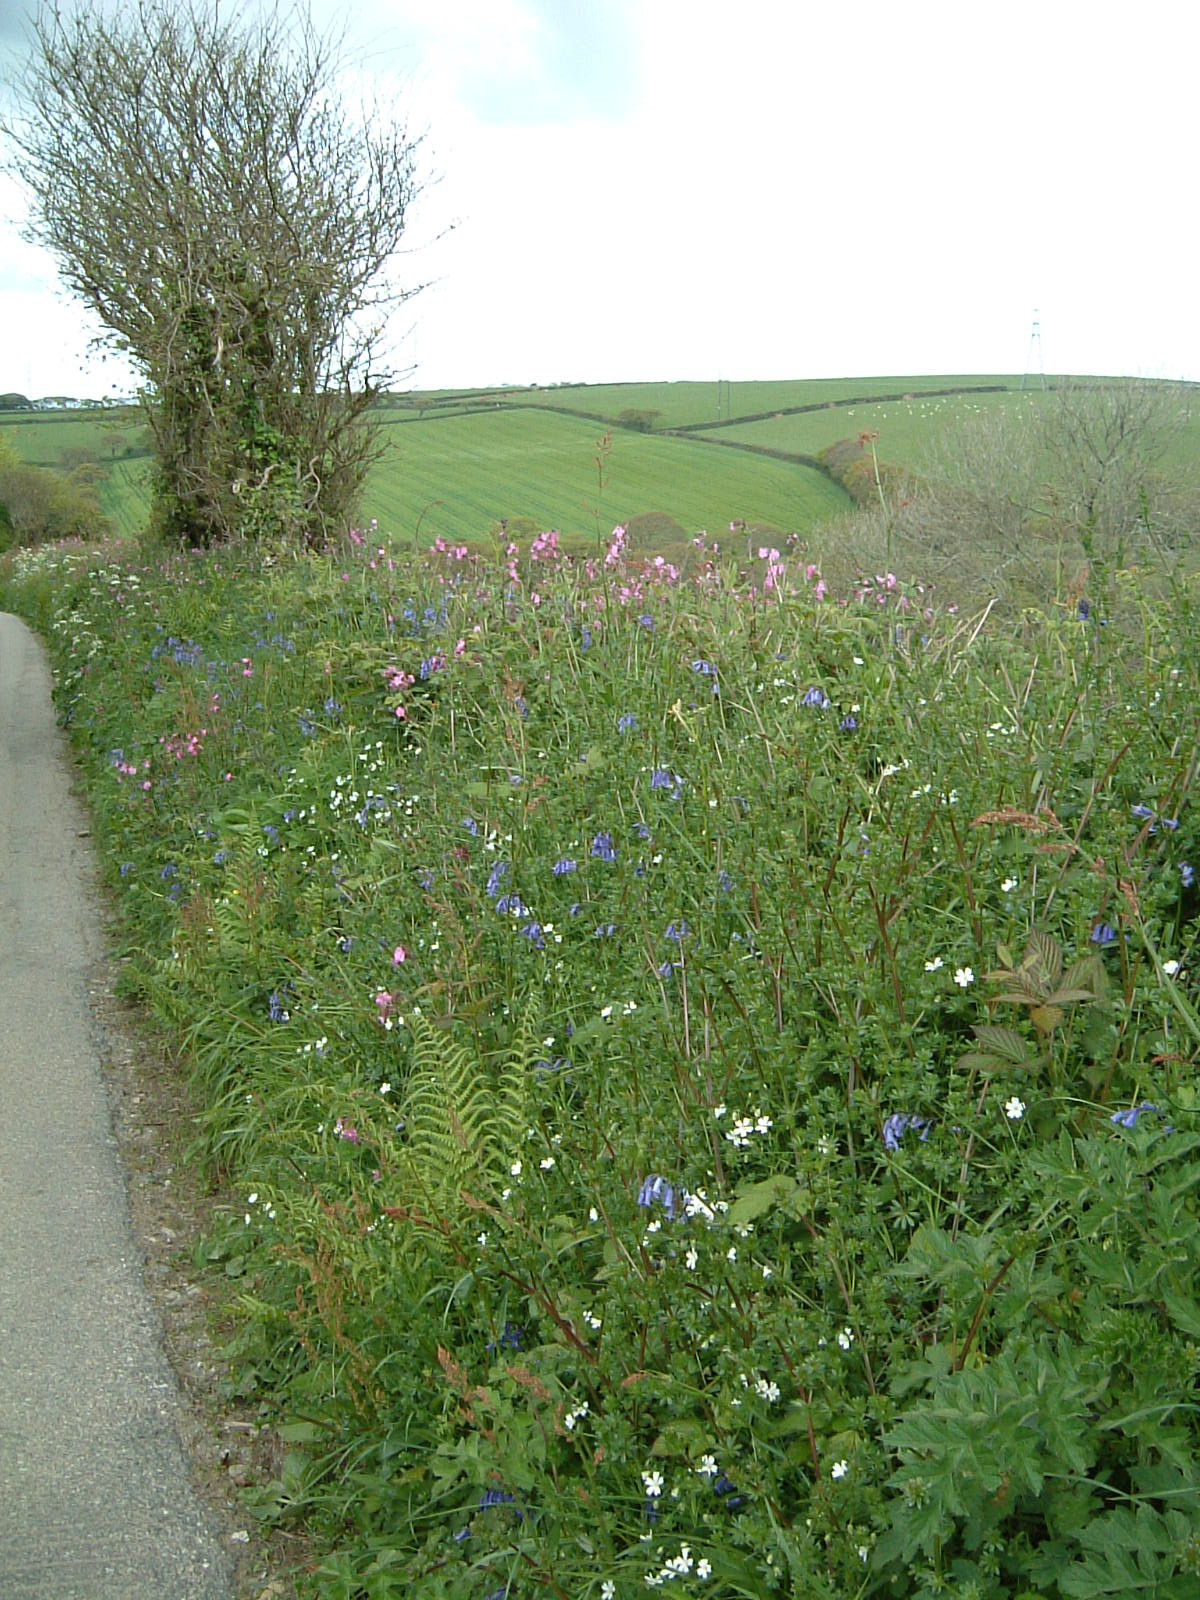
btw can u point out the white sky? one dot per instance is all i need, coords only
(654, 189)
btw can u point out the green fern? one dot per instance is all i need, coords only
(463, 1116)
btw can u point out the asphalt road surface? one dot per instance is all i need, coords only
(95, 1498)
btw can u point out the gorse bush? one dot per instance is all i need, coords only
(709, 1064)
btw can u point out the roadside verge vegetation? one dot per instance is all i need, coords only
(707, 1056)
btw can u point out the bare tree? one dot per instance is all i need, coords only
(207, 194)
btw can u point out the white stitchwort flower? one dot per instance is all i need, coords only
(846, 1338)
(708, 1466)
(703, 1568)
(839, 1469)
(1014, 1109)
(1008, 885)
(608, 1590)
(1170, 968)
(690, 1260)
(964, 977)
(935, 965)
(653, 1484)
(768, 1390)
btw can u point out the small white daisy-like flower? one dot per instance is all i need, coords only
(708, 1466)
(846, 1338)
(1170, 968)
(719, 1111)
(546, 1163)
(1014, 1109)
(691, 1259)
(767, 1271)
(1008, 885)
(482, 1240)
(935, 965)
(593, 1214)
(768, 1389)
(964, 977)
(652, 1482)
(703, 1568)
(839, 1469)
(385, 1088)
(608, 1590)
(515, 1169)
(762, 1124)
(731, 1253)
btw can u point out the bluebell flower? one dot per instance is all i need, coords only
(605, 930)
(471, 826)
(168, 871)
(676, 931)
(1103, 934)
(1129, 1119)
(533, 932)
(574, 908)
(646, 621)
(656, 1188)
(271, 832)
(898, 1124)
(724, 882)
(219, 860)
(509, 905)
(818, 698)
(666, 970)
(562, 866)
(724, 1487)
(602, 847)
(1142, 812)
(1187, 874)
(848, 724)
(626, 723)
(275, 1008)
(704, 668)
(585, 637)
(661, 778)
(641, 829)
(490, 1499)
(425, 879)
(307, 727)
(332, 709)
(495, 878)
(1083, 609)
(510, 1339)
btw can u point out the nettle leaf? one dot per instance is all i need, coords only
(1005, 1043)
(1042, 960)
(1046, 1018)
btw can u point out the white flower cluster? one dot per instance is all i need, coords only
(744, 1128)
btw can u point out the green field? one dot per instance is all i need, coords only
(458, 462)
(906, 428)
(456, 477)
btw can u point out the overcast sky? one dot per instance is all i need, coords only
(656, 189)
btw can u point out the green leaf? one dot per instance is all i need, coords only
(758, 1198)
(1006, 1043)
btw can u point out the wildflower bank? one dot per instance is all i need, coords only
(658, 1024)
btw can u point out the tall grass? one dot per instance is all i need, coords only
(709, 1060)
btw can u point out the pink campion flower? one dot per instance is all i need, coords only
(384, 1003)
(811, 571)
(399, 954)
(401, 713)
(346, 1130)
(890, 581)
(355, 536)
(820, 591)
(459, 648)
